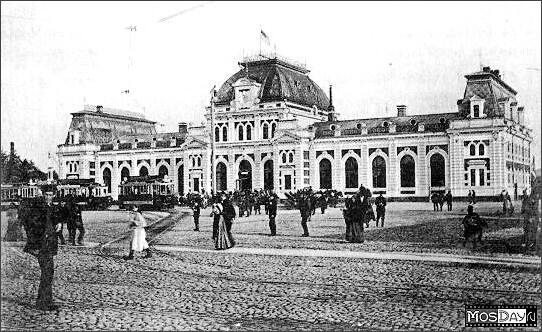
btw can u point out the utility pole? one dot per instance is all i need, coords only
(213, 97)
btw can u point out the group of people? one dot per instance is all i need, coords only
(438, 199)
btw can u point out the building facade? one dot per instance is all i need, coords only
(274, 128)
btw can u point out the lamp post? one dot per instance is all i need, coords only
(213, 185)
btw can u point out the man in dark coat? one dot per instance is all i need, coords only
(228, 213)
(435, 200)
(380, 209)
(305, 209)
(449, 199)
(40, 224)
(196, 207)
(272, 214)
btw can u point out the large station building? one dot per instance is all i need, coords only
(275, 128)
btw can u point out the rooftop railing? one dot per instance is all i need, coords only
(262, 56)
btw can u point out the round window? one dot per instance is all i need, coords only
(412, 122)
(442, 120)
(386, 124)
(332, 127)
(358, 126)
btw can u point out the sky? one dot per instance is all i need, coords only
(58, 56)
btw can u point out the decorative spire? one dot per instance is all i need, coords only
(331, 109)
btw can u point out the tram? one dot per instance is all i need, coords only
(147, 192)
(85, 192)
(13, 193)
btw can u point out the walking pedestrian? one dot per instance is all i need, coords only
(229, 211)
(272, 214)
(322, 201)
(40, 224)
(358, 215)
(473, 227)
(380, 209)
(348, 215)
(78, 223)
(139, 241)
(529, 209)
(435, 200)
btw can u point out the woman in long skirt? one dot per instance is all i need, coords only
(358, 216)
(347, 213)
(139, 242)
(224, 240)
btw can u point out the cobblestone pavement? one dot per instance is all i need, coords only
(97, 290)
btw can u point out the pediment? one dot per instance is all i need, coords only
(195, 143)
(286, 137)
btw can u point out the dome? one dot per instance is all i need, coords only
(280, 80)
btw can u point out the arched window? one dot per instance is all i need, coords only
(268, 174)
(265, 130)
(351, 172)
(124, 174)
(325, 174)
(225, 133)
(180, 180)
(143, 171)
(273, 129)
(162, 171)
(379, 172)
(221, 177)
(284, 158)
(249, 132)
(481, 149)
(436, 163)
(408, 172)
(217, 134)
(240, 130)
(291, 157)
(472, 149)
(106, 176)
(199, 161)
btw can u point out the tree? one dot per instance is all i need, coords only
(15, 170)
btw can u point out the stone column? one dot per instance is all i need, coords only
(392, 172)
(422, 181)
(276, 167)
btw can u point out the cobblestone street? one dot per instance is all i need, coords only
(209, 290)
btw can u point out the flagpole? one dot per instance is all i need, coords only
(213, 186)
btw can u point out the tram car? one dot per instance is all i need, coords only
(13, 193)
(85, 192)
(147, 192)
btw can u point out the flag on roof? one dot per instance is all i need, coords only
(264, 37)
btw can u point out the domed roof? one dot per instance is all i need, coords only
(279, 80)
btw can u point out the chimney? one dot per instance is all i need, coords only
(183, 128)
(496, 73)
(12, 148)
(99, 108)
(521, 115)
(486, 69)
(401, 110)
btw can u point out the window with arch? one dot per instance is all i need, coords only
(221, 177)
(351, 172)
(472, 149)
(284, 158)
(143, 171)
(106, 176)
(325, 174)
(379, 172)
(163, 171)
(265, 131)
(225, 134)
(408, 172)
(240, 130)
(249, 132)
(291, 157)
(437, 167)
(481, 149)
(199, 161)
(124, 174)
(273, 129)
(217, 134)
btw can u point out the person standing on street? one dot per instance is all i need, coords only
(380, 209)
(449, 199)
(305, 209)
(229, 211)
(14, 231)
(197, 210)
(139, 241)
(272, 214)
(529, 209)
(41, 226)
(78, 222)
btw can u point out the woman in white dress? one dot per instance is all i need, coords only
(138, 243)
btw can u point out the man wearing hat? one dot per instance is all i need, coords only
(41, 225)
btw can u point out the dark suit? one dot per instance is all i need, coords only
(42, 242)
(272, 215)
